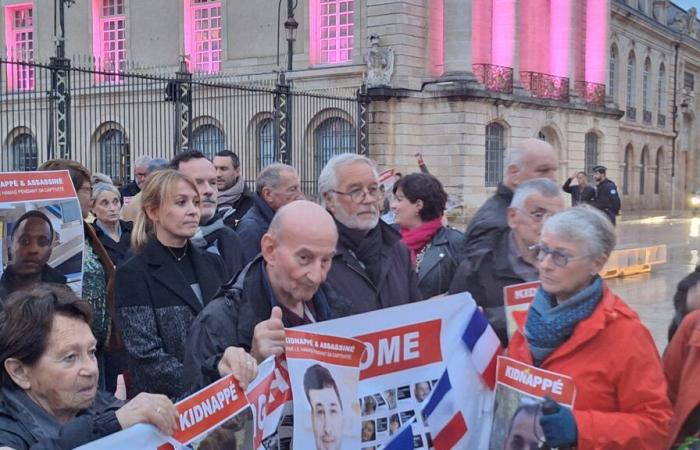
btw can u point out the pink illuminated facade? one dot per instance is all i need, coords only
(109, 38)
(331, 31)
(19, 39)
(203, 35)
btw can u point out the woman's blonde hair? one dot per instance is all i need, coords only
(160, 188)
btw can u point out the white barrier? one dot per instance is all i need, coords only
(632, 261)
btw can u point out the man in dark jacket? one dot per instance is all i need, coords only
(581, 193)
(30, 250)
(212, 235)
(284, 287)
(607, 198)
(371, 267)
(235, 198)
(277, 184)
(140, 174)
(531, 158)
(509, 261)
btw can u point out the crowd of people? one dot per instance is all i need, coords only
(189, 275)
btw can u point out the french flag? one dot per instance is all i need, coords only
(445, 420)
(484, 346)
(403, 439)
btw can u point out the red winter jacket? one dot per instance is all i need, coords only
(621, 398)
(682, 368)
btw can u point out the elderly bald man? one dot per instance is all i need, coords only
(283, 287)
(529, 159)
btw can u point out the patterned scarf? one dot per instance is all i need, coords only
(549, 325)
(231, 195)
(417, 238)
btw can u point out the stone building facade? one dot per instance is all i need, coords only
(456, 80)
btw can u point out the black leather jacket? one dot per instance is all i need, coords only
(440, 262)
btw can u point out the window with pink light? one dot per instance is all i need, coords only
(110, 38)
(203, 35)
(19, 37)
(331, 31)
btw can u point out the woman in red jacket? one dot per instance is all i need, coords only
(682, 368)
(577, 327)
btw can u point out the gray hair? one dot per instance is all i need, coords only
(98, 177)
(543, 186)
(156, 164)
(328, 179)
(99, 188)
(271, 175)
(585, 225)
(142, 161)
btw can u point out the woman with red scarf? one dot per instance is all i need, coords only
(436, 250)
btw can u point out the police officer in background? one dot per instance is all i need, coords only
(607, 199)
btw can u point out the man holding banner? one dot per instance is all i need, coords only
(284, 287)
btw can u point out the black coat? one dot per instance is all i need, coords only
(230, 319)
(397, 281)
(130, 189)
(440, 262)
(233, 214)
(253, 226)
(484, 274)
(20, 419)
(578, 195)
(155, 308)
(490, 219)
(48, 275)
(607, 199)
(120, 251)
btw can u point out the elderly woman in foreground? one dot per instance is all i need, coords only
(48, 380)
(577, 327)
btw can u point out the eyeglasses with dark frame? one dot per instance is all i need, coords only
(360, 194)
(559, 258)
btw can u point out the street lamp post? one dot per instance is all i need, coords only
(290, 26)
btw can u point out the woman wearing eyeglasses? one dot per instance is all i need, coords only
(577, 327)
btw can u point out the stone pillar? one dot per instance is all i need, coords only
(458, 40)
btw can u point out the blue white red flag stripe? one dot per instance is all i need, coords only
(439, 391)
(483, 345)
(451, 433)
(403, 440)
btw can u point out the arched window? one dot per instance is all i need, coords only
(612, 85)
(333, 137)
(24, 152)
(646, 85)
(495, 147)
(643, 170)
(208, 139)
(629, 155)
(631, 80)
(266, 143)
(661, 95)
(112, 149)
(657, 170)
(591, 153)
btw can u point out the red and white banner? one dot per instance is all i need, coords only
(517, 299)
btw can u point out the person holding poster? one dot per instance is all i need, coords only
(31, 239)
(371, 266)
(161, 290)
(283, 287)
(509, 261)
(436, 250)
(49, 397)
(578, 328)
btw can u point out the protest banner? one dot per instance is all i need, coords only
(268, 394)
(39, 199)
(324, 374)
(517, 299)
(208, 420)
(439, 353)
(520, 391)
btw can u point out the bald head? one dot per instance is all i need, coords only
(298, 249)
(531, 158)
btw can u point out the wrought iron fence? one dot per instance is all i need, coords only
(646, 117)
(592, 93)
(494, 78)
(106, 120)
(631, 113)
(661, 120)
(546, 86)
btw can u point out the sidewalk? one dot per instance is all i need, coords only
(636, 216)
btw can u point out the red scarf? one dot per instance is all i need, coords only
(417, 238)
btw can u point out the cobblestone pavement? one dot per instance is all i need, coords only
(651, 294)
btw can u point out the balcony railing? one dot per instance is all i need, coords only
(631, 113)
(494, 78)
(661, 120)
(592, 93)
(646, 117)
(547, 86)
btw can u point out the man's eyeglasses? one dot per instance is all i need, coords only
(359, 195)
(537, 215)
(559, 258)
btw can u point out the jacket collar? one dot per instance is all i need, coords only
(431, 259)
(504, 192)
(164, 270)
(263, 208)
